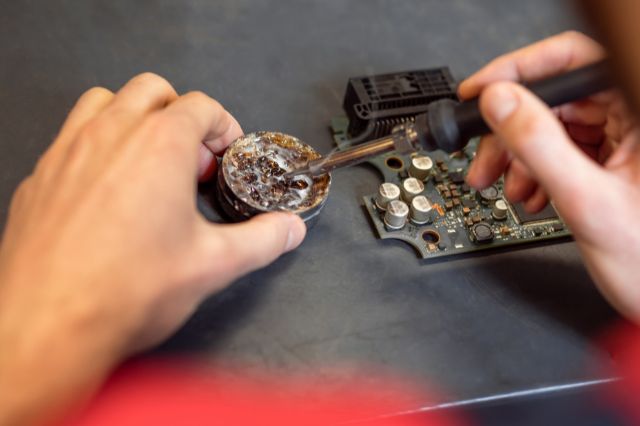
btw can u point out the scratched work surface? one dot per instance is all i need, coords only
(475, 326)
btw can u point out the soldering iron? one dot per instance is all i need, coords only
(449, 125)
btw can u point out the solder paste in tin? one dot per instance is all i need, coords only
(254, 169)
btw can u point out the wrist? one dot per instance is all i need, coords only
(55, 351)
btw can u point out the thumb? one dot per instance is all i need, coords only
(530, 130)
(237, 249)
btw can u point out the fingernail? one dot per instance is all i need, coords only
(500, 102)
(297, 231)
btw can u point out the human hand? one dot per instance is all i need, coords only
(104, 253)
(584, 155)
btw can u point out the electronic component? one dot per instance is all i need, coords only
(482, 232)
(421, 210)
(421, 167)
(461, 220)
(375, 104)
(499, 210)
(525, 218)
(387, 192)
(446, 124)
(456, 177)
(411, 187)
(489, 194)
(396, 215)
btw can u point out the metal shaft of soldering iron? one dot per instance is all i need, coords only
(349, 157)
(449, 125)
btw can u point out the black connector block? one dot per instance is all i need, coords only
(376, 104)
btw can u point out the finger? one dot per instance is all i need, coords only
(190, 120)
(219, 144)
(626, 156)
(92, 102)
(234, 250)
(518, 183)
(549, 57)
(537, 201)
(142, 95)
(88, 106)
(586, 113)
(489, 163)
(207, 164)
(586, 135)
(535, 136)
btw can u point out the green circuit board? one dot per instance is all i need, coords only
(465, 221)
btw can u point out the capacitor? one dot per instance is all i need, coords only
(411, 188)
(421, 210)
(421, 167)
(499, 210)
(396, 215)
(387, 192)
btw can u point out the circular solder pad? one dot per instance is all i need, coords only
(252, 177)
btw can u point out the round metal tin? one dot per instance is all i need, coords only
(251, 178)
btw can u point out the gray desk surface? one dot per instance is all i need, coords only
(476, 326)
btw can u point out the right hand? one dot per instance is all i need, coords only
(585, 156)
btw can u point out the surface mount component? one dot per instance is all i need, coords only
(421, 210)
(411, 188)
(482, 232)
(489, 195)
(387, 192)
(500, 210)
(525, 218)
(395, 217)
(421, 167)
(439, 214)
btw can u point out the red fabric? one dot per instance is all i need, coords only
(180, 393)
(174, 392)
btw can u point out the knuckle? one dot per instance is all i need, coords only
(96, 92)
(198, 96)
(202, 99)
(21, 193)
(574, 35)
(153, 80)
(46, 162)
(24, 187)
(148, 77)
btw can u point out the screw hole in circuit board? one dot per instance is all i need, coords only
(394, 163)
(431, 237)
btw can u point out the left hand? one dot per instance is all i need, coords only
(105, 253)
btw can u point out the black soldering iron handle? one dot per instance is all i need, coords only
(448, 124)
